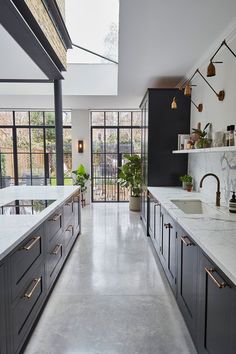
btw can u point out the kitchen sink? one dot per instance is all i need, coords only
(194, 206)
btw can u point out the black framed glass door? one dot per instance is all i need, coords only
(113, 134)
(28, 148)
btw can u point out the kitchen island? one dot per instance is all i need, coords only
(38, 227)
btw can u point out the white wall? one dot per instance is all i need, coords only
(220, 114)
(81, 131)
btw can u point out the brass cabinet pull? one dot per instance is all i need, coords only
(186, 241)
(34, 240)
(57, 249)
(210, 272)
(70, 228)
(35, 283)
(55, 217)
(168, 226)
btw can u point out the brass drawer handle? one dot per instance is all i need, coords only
(186, 241)
(210, 272)
(34, 240)
(55, 217)
(70, 228)
(168, 226)
(57, 249)
(35, 283)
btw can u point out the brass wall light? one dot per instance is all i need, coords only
(199, 107)
(80, 146)
(187, 89)
(211, 70)
(220, 95)
(174, 104)
(187, 92)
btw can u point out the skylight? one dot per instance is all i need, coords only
(93, 24)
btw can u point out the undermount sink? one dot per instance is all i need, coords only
(193, 206)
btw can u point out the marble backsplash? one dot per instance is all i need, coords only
(221, 164)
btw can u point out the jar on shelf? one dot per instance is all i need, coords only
(229, 136)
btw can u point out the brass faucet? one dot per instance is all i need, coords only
(218, 186)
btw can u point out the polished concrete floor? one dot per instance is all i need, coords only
(112, 297)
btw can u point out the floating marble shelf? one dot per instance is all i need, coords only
(213, 149)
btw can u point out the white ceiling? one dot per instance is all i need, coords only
(15, 63)
(160, 41)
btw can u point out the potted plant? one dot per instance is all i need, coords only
(130, 177)
(187, 182)
(201, 141)
(81, 178)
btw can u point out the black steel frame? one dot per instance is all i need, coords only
(14, 128)
(118, 153)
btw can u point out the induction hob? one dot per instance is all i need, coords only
(25, 206)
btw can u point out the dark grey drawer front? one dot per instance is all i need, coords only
(54, 224)
(29, 254)
(69, 234)
(68, 210)
(3, 313)
(27, 306)
(55, 257)
(76, 212)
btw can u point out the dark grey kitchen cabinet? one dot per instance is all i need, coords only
(154, 221)
(3, 341)
(28, 272)
(205, 296)
(217, 310)
(151, 211)
(76, 212)
(187, 255)
(168, 247)
(159, 128)
(27, 305)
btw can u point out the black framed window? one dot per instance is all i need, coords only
(113, 134)
(28, 148)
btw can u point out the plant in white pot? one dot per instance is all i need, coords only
(130, 176)
(81, 178)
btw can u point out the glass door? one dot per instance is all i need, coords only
(113, 134)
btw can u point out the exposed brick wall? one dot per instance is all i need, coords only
(40, 13)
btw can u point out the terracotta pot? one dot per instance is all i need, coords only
(189, 187)
(134, 203)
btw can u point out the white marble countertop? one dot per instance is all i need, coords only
(14, 228)
(215, 233)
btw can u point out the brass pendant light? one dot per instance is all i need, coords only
(174, 104)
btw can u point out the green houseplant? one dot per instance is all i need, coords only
(81, 179)
(202, 141)
(130, 176)
(187, 182)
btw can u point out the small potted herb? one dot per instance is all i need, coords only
(187, 182)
